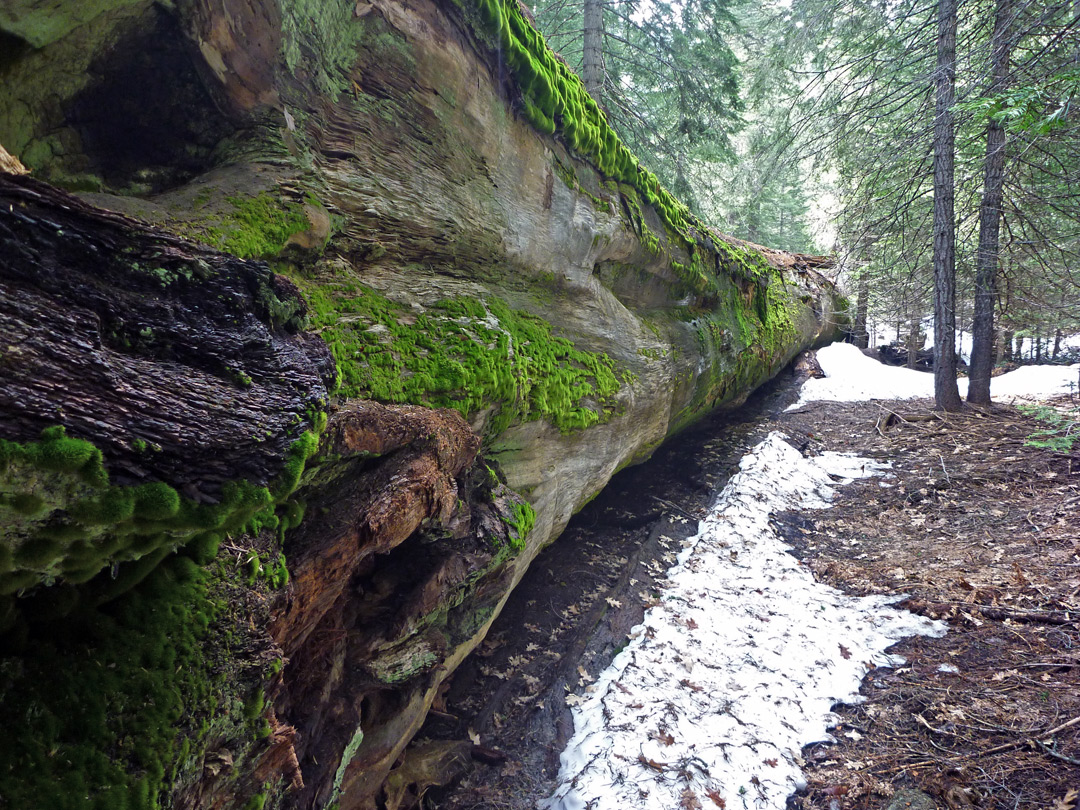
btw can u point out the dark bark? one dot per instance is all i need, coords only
(946, 392)
(986, 257)
(913, 342)
(1007, 344)
(592, 68)
(1057, 345)
(862, 299)
(121, 332)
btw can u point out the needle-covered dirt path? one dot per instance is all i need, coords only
(976, 527)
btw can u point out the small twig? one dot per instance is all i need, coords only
(947, 479)
(1039, 616)
(1050, 751)
(1062, 727)
(1050, 665)
(675, 508)
(1019, 743)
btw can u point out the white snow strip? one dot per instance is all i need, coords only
(851, 376)
(736, 670)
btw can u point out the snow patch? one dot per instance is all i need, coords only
(851, 376)
(737, 668)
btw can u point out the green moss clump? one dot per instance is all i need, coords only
(156, 501)
(62, 519)
(250, 227)
(260, 226)
(522, 521)
(94, 708)
(462, 353)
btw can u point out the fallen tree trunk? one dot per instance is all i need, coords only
(433, 244)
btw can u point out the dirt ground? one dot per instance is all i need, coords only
(975, 528)
(980, 530)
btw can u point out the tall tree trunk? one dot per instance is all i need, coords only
(986, 257)
(753, 219)
(1018, 355)
(1038, 344)
(946, 391)
(1057, 345)
(913, 342)
(862, 304)
(1007, 344)
(592, 68)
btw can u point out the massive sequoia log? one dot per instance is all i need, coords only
(256, 575)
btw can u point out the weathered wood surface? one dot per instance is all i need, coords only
(121, 332)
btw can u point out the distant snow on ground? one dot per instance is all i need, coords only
(851, 376)
(736, 668)
(1034, 382)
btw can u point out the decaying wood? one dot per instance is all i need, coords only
(121, 332)
(403, 521)
(9, 164)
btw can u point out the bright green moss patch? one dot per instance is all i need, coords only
(274, 571)
(112, 707)
(94, 710)
(63, 521)
(462, 353)
(555, 101)
(259, 226)
(246, 226)
(523, 520)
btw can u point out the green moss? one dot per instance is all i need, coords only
(522, 522)
(256, 226)
(58, 453)
(156, 501)
(62, 519)
(260, 226)
(462, 353)
(96, 705)
(255, 705)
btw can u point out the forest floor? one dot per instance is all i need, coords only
(981, 531)
(977, 529)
